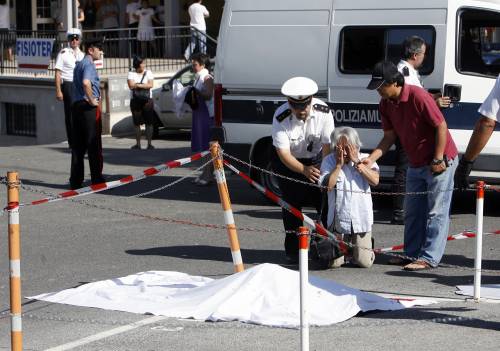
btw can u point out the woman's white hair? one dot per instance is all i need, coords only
(349, 133)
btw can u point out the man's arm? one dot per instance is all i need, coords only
(441, 136)
(482, 132)
(58, 80)
(87, 88)
(310, 172)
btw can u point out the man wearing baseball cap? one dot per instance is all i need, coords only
(301, 132)
(411, 114)
(65, 64)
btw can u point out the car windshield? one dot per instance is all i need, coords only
(185, 76)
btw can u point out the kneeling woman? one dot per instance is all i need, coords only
(140, 82)
(350, 208)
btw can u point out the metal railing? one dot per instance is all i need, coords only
(167, 51)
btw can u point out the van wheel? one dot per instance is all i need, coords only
(263, 154)
(268, 180)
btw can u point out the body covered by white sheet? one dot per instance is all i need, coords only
(265, 294)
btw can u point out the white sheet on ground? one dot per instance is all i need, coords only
(266, 294)
(488, 291)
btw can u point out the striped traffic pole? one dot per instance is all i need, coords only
(220, 177)
(304, 282)
(479, 239)
(16, 333)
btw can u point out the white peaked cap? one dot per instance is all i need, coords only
(74, 31)
(299, 88)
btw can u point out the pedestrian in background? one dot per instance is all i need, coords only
(132, 22)
(203, 114)
(86, 127)
(410, 113)
(301, 133)
(350, 207)
(4, 30)
(145, 32)
(197, 14)
(108, 14)
(81, 15)
(65, 64)
(140, 83)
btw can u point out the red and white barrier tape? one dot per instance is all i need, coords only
(320, 229)
(282, 203)
(460, 236)
(95, 188)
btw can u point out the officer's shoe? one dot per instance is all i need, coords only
(98, 180)
(74, 186)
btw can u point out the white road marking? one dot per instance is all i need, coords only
(106, 334)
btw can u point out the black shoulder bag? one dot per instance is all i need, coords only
(141, 94)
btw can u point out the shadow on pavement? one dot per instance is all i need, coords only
(213, 253)
(462, 317)
(443, 279)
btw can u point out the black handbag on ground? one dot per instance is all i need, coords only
(141, 94)
(323, 251)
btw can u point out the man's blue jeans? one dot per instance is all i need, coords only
(427, 216)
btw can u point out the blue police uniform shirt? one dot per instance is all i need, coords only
(85, 69)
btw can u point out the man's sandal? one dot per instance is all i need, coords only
(399, 261)
(418, 265)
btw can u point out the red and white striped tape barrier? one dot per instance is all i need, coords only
(95, 188)
(343, 246)
(460, 236)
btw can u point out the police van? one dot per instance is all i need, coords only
(262, 43)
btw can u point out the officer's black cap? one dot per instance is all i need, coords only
(94, 43)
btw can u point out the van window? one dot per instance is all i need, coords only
(479, 43)
(362, 47)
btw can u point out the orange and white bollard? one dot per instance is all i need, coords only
(479, 239)
(304, 283)
(16, 331)
(232, 233)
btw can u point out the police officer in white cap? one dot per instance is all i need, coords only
(301, 135)
(65, 64)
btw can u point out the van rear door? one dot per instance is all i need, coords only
(473, 49)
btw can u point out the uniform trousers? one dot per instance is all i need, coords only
(86, 135)
(67, 89)
(298, 195)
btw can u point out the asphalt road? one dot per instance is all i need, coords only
(68, 243)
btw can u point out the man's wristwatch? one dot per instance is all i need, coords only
(436, 162)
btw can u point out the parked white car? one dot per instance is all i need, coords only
(164, 105)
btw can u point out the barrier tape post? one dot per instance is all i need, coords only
(303, 234)
(479, 239)
(226, 206)
(16, 333)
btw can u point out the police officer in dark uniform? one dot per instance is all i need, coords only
(86, 127)
(65, 64)
(302, 129)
